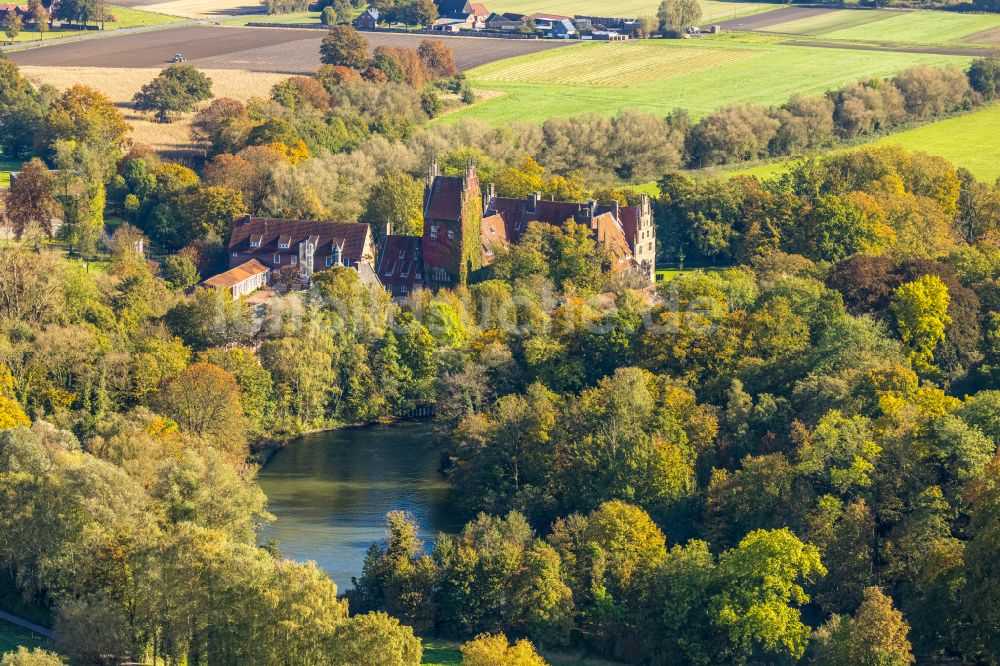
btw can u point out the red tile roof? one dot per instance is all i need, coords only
(267, 231)
(234, 276)
(609, 233)
(444, 200)
(494, 235)
(399, 262)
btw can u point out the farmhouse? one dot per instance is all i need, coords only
(307, 244)
(455, 15)
(241, 280)
(505, 22)
(367, 20)
(21, 10)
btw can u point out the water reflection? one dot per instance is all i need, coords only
(330, 493)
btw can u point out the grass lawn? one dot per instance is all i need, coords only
(971, 141)
(125, 18)
(6, 166)
(711, 9)
(658, 76)
(12, 636)
(294, 17)
(924, 27)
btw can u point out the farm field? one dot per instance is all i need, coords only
(971, 141)
(197, 8)
(121, 84)
(711, 9)
(283, 50)
(125, 18)
(884, 26)
(658, 76)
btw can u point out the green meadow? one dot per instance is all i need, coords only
(658, 76)
(894, 27)
(125, 17)
(971, 140)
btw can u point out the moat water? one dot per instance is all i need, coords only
(330, 492)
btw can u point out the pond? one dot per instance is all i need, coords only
(330, 492)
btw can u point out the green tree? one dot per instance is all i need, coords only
(761, 590)
(921, 310)
(180, 271)
(12, 25)
(676, 15)
(397, 202)
(875, 636)
(176, 89)
(374, 639)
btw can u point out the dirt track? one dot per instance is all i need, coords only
(284, 50)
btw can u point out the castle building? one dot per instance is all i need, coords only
(451, 244)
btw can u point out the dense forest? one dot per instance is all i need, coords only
(791, 457)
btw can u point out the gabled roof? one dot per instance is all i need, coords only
(543, 16)
(609, 233)
(351, 237)
(236, 275)
(399, 261)
(444, 198)
(494, 235)
(477, 9)
(452, 8)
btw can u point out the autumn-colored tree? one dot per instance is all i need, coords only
(921, 310)
(85, 115)
(29, 202)
(204, 400)
(344, 46)
(495, 650)
(438, 58)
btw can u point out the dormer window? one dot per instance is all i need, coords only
(283, 246)
(254, 243)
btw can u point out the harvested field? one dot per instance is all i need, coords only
(618, 64)
(284, 50)
(196, 8)
(985, 37)
(765, 20)
(121, 84)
